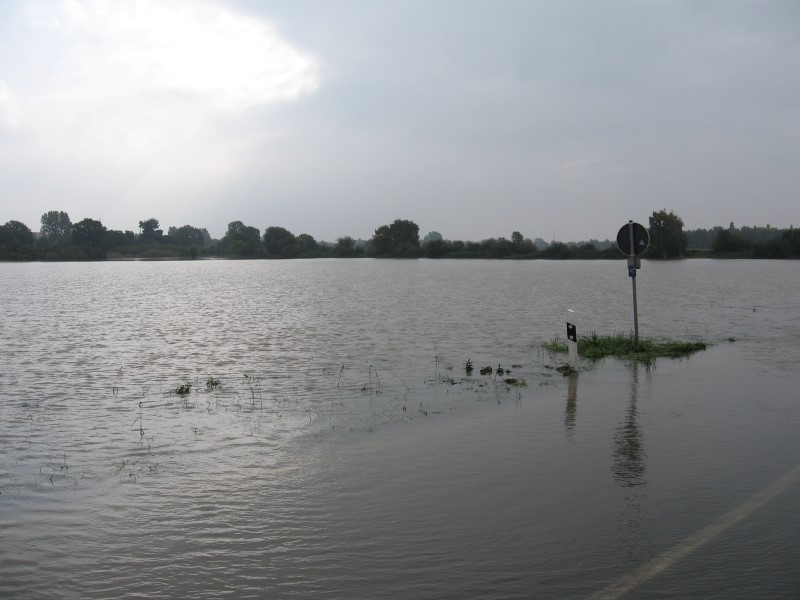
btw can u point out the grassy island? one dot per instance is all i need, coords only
(624, 346)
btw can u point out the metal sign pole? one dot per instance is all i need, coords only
(635, 314)
(632, 259)
(633, 242)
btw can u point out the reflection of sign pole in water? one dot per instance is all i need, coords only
(572, 339)
(632, 241)
(629, 455)
(571, 411)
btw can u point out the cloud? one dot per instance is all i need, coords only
(145, 98)
(9, 109)
(202, 48)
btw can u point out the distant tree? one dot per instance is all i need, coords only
(16, 241)
(382, 241)
(540, 244)
(345, 246)
(773, 248)
(435, 248)
(187, 235)
(90, 235)
(116, 239)
(457, 247)
(701, 239)
(307, 244)
(401, 238)
(667, 239)
(497, 248)
(432, 236)
(728, 240)
(528, 248)
(56, 226)
(791, 241)
(557, 250)
(405, 232)
(149, 230)
(241, 240)
(473, 248)
(280, 243)
(760, 234)
(785, 246)
(516, 238)
(586, 250)
(17, 232)
(704, 238)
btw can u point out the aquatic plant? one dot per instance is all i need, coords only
(212, 384)
(377, 378)
(468, 366)
(565, 370)
(556, 346)
(252, 384)
(486, 370)
(184, 390)
(626, 346)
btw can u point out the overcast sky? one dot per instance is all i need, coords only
(332, 117)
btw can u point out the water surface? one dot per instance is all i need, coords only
(345, 451)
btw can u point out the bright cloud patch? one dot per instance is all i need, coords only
(192, 47)
(8, 109)
(138, 100)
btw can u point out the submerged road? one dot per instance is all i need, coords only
(638, 577)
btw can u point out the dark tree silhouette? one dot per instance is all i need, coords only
(401, 238)
(729, 241)
(667, 239)
(345, 246)
(56, 226)
(90, 235)
(280, 243)
(149, 230)
(241, 240)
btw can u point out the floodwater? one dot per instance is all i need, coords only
(332, 445)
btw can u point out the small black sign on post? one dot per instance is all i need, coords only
(572, 332)
(632, 240)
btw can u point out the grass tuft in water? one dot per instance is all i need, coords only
(594, 347)
(556, 346)
(565, 370)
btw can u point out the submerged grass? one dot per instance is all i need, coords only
(624, 346)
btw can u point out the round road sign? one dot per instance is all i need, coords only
(641, 239)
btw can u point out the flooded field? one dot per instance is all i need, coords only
(309, 429)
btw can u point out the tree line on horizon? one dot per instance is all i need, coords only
(61, 240)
